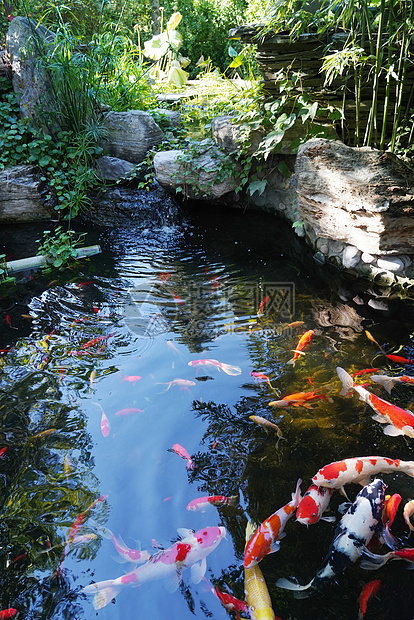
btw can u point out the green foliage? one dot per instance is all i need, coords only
(60, 247)
(6, 281)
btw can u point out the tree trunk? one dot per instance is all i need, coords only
(155, 17)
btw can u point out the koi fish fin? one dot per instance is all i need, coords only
(173, 582)
(388, 539)
(296, 496)
(119, 559)
(233, 500)
(122, 544)
(251, 527)
(230, 370)
(347, 381)
(292, 361)
(101, 529)
(104, 592)
(289, 585)
(328, 519)
(379, 418)
(392, 431)
(184, 533)
(372, 561)
(343, 492)
(344, 507)
(198, 570)
(387, 382)
(275, 546)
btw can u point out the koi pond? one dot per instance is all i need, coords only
(127, 387)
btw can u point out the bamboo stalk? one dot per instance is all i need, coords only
(35, 262)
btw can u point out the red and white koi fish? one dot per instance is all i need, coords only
(367, 593)
(389, 382)
(266, 538)
(359, 470)
(183, 453)
(408, 511)
(105, 425)
(202, 503)
(166, 564)
(354, 531)
(300, 399)
(227, 368)
(313, 505)
(129, 411)
(131, 379)
(229, 602)
(373, 561)
(126, 554)
(183, 384)
(399, 421)
(399, 360)
(304, 341)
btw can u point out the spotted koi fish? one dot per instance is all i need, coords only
(266, 538)
(202, 503)
(359, 470)
(399, 421)
(255, 589)
(389, 382)
(354, 531)
(229, 369)
(313, 505)
(190, 552)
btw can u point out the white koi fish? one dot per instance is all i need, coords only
(313, 505)
(359, 470)
(183, 384)
(191, 551)
(227, 368)
(399, 421)
(354, 531)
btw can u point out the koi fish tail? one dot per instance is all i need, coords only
(296, 496)
(387, 382)
(299, 590)
(233, 500)
(372, 561)
(230, 370)
(347, 381)
(104, 592)
(389, 539)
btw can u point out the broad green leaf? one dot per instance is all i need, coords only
(257, 186)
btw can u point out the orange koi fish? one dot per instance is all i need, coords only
(359, 470)
(227, 368)
(399, 421)
(371, 337)
(262, 305)
(202, 503)
(255, 589)
(8, 613)
(94, 341)
(267, 536)
(367, 593)
(304, 341)
(389, 382)
(388, 515)
(229, 602)
(183, 453)
(364, 371)
(295, 324)
(372, 561)
(178, 299)
(129, 411)
(300, 399)
(183, 384)
(3, 452)
(399, 360)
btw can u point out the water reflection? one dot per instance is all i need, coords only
(91, 406)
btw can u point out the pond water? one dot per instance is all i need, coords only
(90, 412)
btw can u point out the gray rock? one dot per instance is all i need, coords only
(319, 258)
(391, 263)
(351, 257)
(25, 40)
(170, 117)
(197, 179)
(360, 196)
(130, 135)
(113, 168)
(368, 258)
(21, 195)
(379, 304)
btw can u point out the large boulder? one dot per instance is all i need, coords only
(130, 135)
(362, 197)
(21, 195)
(196, 176)
(26, 41)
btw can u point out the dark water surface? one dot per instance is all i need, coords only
(159, 297)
